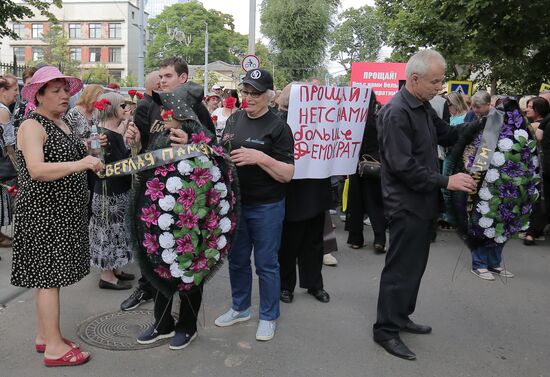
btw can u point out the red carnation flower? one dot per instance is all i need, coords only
(132, 92)
(167, 115)
(214, 118)
(230, 102)
(139, 95)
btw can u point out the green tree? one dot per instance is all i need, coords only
(298, 31)
(180, 31)
(213, 77)
(97, 75)
(57, 51)
(12, 11)
(505, 43)
(129, 81)
(358, 37)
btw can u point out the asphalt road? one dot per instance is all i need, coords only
(481, 328)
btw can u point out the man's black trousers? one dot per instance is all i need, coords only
(188, 313)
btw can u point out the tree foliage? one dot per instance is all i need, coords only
(357, 37)
(180, 31)
(99, 74)
(57, 51)
(10, 11)
(298, 31)
(505, 42)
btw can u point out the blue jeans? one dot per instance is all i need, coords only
(260, 230)
(487, 256)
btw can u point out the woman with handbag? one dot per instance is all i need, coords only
(365, 190)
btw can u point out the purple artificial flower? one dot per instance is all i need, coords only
(211, 221)
(163, 272)
(199, 264)
(187, 197)
(164, 170)
(187, 220)
(150, 215)
(185, 244)
(200, 138)
(506, 131)
(525, 154)
(201, 176)
(150, 242)
(185, 286)
(515, 118)
(218, 149)
(531, 188)
(212, 241)
(513, 169)
(471, 159)
(526, 208)
(154, 189)
(511, 227)
(508, 191)
(505, 212)
(212, 197)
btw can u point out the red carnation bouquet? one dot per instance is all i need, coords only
(230, 102)
(102, 104)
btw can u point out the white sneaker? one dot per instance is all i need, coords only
(231, 317)
(329, 260)
(485, 275)
(367, 222)
(501, 272)
(332, 211)
(266, 330)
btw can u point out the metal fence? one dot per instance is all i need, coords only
(16, 69)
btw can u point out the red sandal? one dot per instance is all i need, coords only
(41, 348)
(65, 360)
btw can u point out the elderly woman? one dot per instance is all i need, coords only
(81, 117)
(262, 147)
(8, 96)
(109, 244)
(50, 247)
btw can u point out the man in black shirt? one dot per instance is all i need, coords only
(409, 131)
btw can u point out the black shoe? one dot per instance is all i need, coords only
(416, 328)
(528, 242)
(319, 294)
(379, 248)
(138, 297)
(119, 286)
(125, 276)
(286, 296)
(396, 347)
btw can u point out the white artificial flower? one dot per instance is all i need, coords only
(167, 203)
(498, 159)
(485, 194)
(536, 193)
(174, 184)
(500, 239)
(203, 159)
(505, 145)
(492, 175)
(535, 161)
(166, 240)
(526, 226)
(225, 225)
(184, 168)
(222, 241)
(187, 279)
(520, 133)
(224, 207)
(489, 232)
(175, 270)
(222, 188)
(216, 173)
(169, 256)
(483, 207)
(165, 221)
(485, 222)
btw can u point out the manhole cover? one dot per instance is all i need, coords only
(117, 331)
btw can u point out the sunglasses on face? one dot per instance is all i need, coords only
(123, 106)
(246, 93)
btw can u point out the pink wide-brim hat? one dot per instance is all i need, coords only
(45, 75)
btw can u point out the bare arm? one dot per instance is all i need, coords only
(30, 140)
(278, 170)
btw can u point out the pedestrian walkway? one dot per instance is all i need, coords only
(481, 328)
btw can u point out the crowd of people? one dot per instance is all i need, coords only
(445, 160)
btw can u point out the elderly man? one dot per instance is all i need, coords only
(409, 131)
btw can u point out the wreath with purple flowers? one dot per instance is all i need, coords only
(507, 190)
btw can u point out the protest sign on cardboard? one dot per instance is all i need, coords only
(383, 78)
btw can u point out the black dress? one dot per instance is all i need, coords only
(50, 246)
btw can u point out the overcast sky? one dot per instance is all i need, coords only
(240, 14)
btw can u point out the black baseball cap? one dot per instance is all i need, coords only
(260, 79)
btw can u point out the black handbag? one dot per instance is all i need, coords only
(368, 167)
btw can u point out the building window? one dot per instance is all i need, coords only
(95, 31)
(115, 55)
(95, 54)
(115, 31)
(37, 54)
(76, 54)
(74, 31)
(37, 31)
(115, 75)
(19, 29)
(19, 53)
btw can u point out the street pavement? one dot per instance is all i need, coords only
(480, 328)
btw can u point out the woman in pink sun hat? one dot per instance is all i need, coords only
(51, 246)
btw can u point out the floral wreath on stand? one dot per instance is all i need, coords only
(507, 190)
(185, 213)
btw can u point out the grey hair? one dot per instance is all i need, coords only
(481, 97)
(271, 94)
(110, 110)
(420, 62)
(150, 77)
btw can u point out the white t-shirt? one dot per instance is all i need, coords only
(220, 123)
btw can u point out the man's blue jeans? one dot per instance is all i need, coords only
(487, 256)
(260, 230)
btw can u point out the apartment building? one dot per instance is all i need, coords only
(100, 32)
